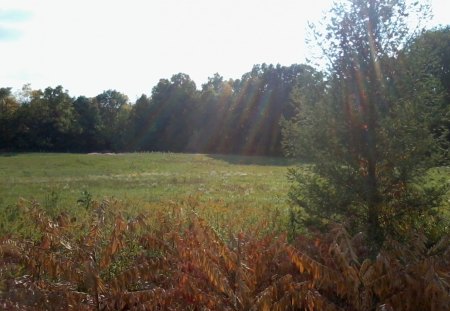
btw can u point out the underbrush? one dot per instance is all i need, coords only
(175, 260)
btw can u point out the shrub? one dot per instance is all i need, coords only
(181, 262)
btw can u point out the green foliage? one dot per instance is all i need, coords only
(370, 129)
(8, 108)
(86, 199)
(235, 116)
(89, 122)
(430, 52)
(112, 106)
(51, 200)
(242, 116)
(46, 120)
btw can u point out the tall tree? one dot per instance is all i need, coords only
(8, 108)
(261, 100)
(431, 50)
(140, 123)
(47, 121)
(111, 105)
(211, 117)
(61, 117)
(90, 125)
(367, 145)
(173, 102)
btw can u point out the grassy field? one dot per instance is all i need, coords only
(236, 191)
(181, 231)
(228, 188)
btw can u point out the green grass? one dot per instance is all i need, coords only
(233, 190)
(252, 187)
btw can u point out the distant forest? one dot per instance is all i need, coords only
(243, 116)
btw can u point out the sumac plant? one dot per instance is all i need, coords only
(177, 261)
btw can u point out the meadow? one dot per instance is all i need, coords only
(232, 190)
(164, 231)
(239, 188)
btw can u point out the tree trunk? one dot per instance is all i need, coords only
(374, 231)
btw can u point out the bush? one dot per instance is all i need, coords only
(113, 263)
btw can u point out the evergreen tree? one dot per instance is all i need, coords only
(367, 142)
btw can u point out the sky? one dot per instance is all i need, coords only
(89, 46)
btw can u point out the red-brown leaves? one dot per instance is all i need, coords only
(183, 263)
(403, 278)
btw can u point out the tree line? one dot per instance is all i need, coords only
(242, 116)
(224, 116)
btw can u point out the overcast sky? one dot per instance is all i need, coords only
(88, 46)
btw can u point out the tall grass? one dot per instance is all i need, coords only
(231, 188)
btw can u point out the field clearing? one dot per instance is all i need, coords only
(228, 188)
(155, 229)
(230, 191)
